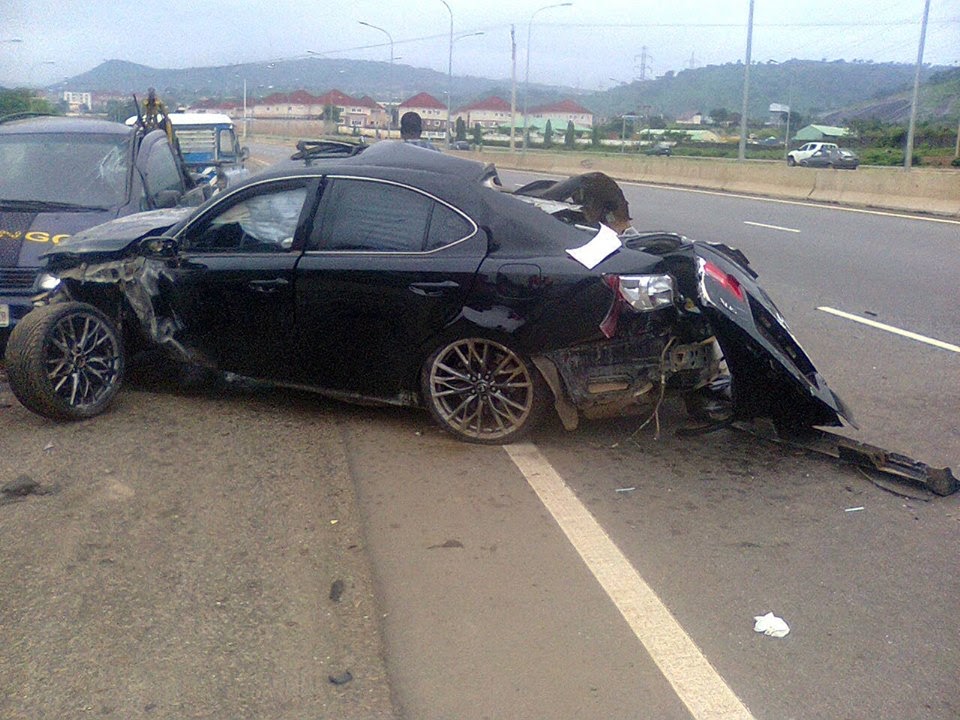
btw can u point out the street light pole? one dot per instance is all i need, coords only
(449, 70)
(450, 89)
(390, 38)
(742, 152)
(908, 154)
(526, 80)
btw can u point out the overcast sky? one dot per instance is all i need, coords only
(591, 44)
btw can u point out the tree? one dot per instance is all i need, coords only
(117, 111)
(461, 129)
(548, 135)
(331, 113)
(22, 100)
(570, 137)
(477, 134)
(721, 116)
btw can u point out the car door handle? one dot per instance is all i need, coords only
(268, 286)
(434, 289)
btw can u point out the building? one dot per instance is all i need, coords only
(490, 113)
(559, 114)
(694, 118)
(432, 112)
(825, 133)
(368, 112)
(301, 105)
(77, 102)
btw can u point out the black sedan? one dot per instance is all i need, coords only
(395, 274)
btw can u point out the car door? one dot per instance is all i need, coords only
(232, 287)
(386, 270)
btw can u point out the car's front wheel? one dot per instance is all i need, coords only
(791, 162)
(65, 361)
(482, 391)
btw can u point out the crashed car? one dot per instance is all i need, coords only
(397, 275)
(839, 158)
(65, 174)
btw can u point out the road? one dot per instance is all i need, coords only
(612, 572)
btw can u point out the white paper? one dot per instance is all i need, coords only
(603, 245)
(771, 625)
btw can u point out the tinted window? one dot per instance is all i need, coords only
(89, 170)
(380, 217)
(264, 222)
(446, 226)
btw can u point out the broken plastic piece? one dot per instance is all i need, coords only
(341, 679)
(852, 452)
(771, 625)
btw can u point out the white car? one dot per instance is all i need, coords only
(804, 151)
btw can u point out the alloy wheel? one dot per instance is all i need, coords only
(82, 360)
(481, 390)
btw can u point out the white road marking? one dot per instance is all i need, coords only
(694, 679)
(892, 329)
(770, 227)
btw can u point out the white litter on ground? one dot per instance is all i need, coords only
(771, 625)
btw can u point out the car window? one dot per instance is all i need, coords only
(87, 170)
(375, 216)
(263, 222)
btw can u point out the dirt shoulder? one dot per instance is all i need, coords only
(185, 556)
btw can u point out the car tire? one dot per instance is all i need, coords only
(482, 391)
(65, 361)
(791, 162)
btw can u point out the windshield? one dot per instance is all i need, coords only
(83, 170)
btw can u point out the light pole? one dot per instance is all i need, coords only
(390, 38)
(450, 81)
(526, 80)
(742, 151)
(449, 69)
(908, 153)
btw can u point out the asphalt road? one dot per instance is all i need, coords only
(183, 564)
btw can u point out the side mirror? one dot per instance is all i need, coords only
(159, 246)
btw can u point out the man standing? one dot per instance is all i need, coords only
(411, 127)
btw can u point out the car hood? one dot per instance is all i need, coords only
(26, 235)
(115, 237)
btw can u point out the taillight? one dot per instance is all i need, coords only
(725, 280)
(644, 292)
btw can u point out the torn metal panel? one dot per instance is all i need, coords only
(940, 481)
(138, 279)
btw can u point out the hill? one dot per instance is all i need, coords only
(830, 91)
(380, 80)
(939, 100)
(811, 88)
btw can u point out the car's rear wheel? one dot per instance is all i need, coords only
(482, 391)
(65, 361)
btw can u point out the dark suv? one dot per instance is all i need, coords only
(65, 174)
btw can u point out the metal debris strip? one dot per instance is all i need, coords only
(940, 481)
